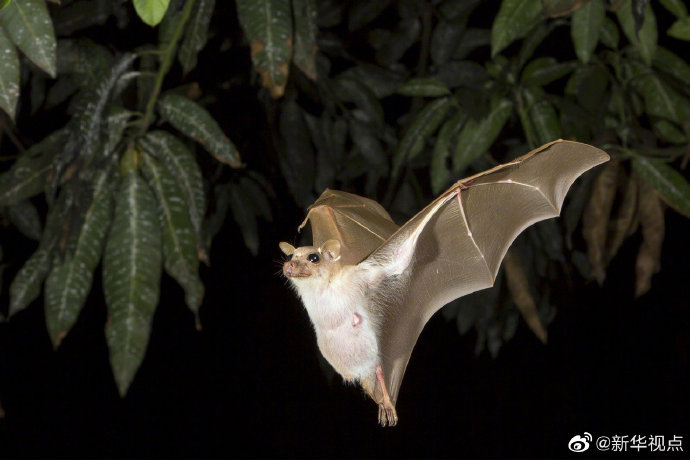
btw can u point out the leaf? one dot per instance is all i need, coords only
(151, 11)
(423, 126)
(195, 34)
(297, 154)
(424, 87)
(514, 19)
(445, 39)
(609, 35)
(680, 29)
(382, 82)
(672, 64)
(24, 216)
(405, 35)
(669, 132)
(439, 169)
(195, 122)
(556, 8)
(648, 260)
(351, 90)
(268, 25)
(518, 285)
(669, 183)
(585, 28)
(177, 157)
(365, 138)
(362, 13)
(596, 216)
(544, 70)
(645, 39)
(676, 7)
(179, 238)
(543, 121)
(4, 3)
(304, 13)
(69, 281)
(619, 226)
(116, 118)
(79, 15)
(472, 39)
(131, 277)
(26, 285)
(660, 99)
(466, 74)
(477, 136)
(9, 76)
(28, 175)
(27, 23)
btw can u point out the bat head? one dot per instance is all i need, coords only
(309, 262)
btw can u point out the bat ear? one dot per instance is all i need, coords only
(287, 248)
(331, 250)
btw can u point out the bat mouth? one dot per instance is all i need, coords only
(298, 275)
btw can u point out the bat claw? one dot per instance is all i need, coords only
(387, 415)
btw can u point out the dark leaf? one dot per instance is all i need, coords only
(405, 35)
(668, 183)
(151, 11)
(645, 39)
(648, 261)
(24, 216)
(9, 76)
(544, 70)
(466, 74)
(585, 28)
(556, 8)
(304, 12)
(680, 29)
(27, 23)
(440, 169)
(195, 34)
(514, 19)
(425, 87)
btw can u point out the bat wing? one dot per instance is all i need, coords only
(360, 224)
(463, 235)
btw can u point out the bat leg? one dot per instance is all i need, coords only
(387, 414)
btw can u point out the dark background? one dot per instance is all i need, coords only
(251, 384)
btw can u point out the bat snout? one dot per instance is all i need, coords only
(292, 269)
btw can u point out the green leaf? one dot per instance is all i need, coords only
(177, 157)
(24, 216)
(544, 70)
(672, 64)
(195, 35)
(439, 170)
(477, 136)
(445, 39)
(304, 12)
(680, 29)
(676, 7)
(645, 39)
(151, 11)
(660, 99)
(425, 87)
(131, 277)
(268, 25)
(179, 239)
(69, 281)
(514, 19)
(195, 122)
(4, 3)
(669, 132)
(669, 183)
(423, 126)
(26, 285)
(9, 76)
(543, 121)
(609, 34)
(556, 8)
(585, 27)
(27, 23)
(116, 118)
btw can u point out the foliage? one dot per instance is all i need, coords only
(394, 99)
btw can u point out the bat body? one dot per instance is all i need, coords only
(370, 286)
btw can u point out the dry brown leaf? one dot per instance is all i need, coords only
(596, 216)
(651, 213)
(620, 225)
(519, 290)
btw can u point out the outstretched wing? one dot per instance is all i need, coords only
(463, 235)
(360, 224)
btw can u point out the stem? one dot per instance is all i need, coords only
(167, 56)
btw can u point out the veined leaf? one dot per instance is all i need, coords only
(425, 87)
(24, 216)
(644, 39)
(131, 276)
(151, 11)
(268, 25)
(585, 27)
(440, 172)
(116, 118)
(9, 76)
(544, 70)
(195, 34)
(669, 183)
(28, 175)
(542, 116)
(28, 25)
(195, 122)
(69, 281)
(175, 155)
(514, 19)
(304, 13)
(680, 29)
(26, 285)
(423, 126)
(179, 241)
(660, 99)
(477, 135)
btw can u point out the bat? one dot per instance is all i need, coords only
(370, 286)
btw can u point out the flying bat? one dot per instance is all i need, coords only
(370, 286)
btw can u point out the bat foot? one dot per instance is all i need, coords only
(387, 414)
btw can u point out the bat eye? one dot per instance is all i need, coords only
(289, 258)
(313, 258)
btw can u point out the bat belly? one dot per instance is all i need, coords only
(351, 348)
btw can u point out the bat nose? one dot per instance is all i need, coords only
(288, 268)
